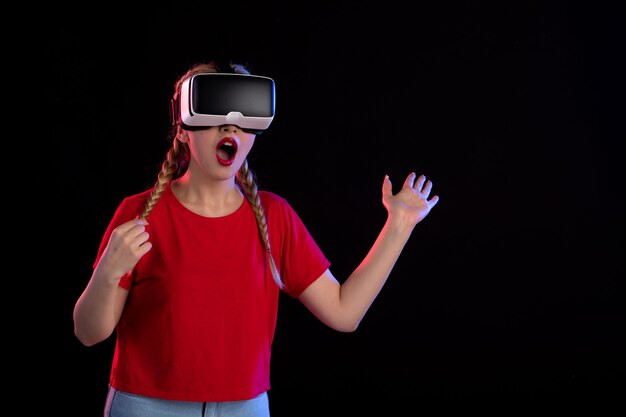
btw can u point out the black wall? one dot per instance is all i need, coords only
(508, 296)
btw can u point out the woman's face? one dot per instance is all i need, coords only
(218, 152)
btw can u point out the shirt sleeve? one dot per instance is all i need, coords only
(301, 260)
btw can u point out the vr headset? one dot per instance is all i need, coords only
(215, 99)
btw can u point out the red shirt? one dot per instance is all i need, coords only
(201, 311)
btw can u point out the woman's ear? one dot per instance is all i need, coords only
(183, 136)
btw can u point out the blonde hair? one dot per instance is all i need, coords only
(177, 161)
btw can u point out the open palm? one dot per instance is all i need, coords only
(412, 202)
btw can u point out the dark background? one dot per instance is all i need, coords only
(508, 296)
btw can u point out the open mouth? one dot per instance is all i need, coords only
(226, 151)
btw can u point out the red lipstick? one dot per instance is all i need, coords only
(226, 151)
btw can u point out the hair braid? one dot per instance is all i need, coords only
(248, 183)
(177, 156)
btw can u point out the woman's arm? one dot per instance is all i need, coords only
(342, 307)
(100, 306)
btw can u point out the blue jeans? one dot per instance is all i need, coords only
(122, 404)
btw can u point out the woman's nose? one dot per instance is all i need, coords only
(228, 128)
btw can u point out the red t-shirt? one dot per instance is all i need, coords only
(201, 311)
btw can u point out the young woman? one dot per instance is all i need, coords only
(189, 272)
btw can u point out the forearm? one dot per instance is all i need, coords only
(343, 306)
(361, 288)
(96, 311)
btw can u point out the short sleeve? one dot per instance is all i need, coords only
(301, 260)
